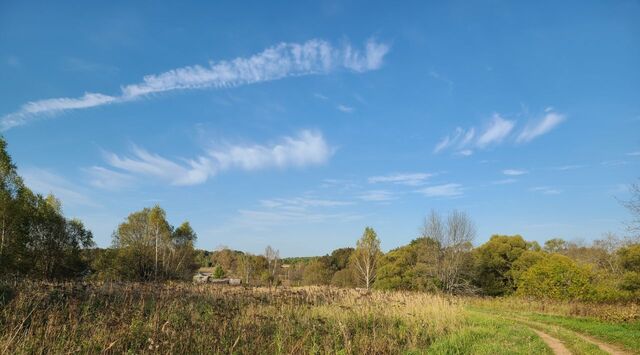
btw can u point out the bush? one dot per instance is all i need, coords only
(557, 277)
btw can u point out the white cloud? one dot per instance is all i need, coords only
(496, 132)
(377, 196)
(546, 190)
(301, 203)
(288, 211)
(53, 106)
(514, 172)
(550, 120)
(277, 62)
(505, 181)
(568, 167)
(345, 109)
(634, 154)
(108, 179)
(445, 190)
(410, 179)
(307, 148)
(45, 182)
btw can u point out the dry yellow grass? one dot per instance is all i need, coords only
(186, 318)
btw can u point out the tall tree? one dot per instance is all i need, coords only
(273, 258)
(633, 205)
(13, 195)
(454, 236)
(366, 255)
(152, 249)
(494, 261)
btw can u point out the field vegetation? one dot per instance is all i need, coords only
(440, 293)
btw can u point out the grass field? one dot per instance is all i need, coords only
(186, 318)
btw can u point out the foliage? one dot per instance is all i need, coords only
(149, 248)
(557, 277)
(411, 267)
(494, 263)
(36, 239)
(365, 257)
(218, 272)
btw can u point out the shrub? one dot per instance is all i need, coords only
(557, 277)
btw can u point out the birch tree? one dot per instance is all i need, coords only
(365, 257)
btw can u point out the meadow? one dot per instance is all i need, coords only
(38, 317)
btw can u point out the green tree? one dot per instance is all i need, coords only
(218, 272)
(316, 272)
(494, 261)
(629, 259)
(13, 198)
(410, 267)
(555, 245)
(365, 257)
(151, 249)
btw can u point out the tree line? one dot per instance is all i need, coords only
(38, 241)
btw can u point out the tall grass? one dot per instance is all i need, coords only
(186, 318)
(628, 312)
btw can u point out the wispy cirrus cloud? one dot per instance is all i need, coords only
(108, 179)
(410, 179)
(280, 61)
(546, 190)
(45, 182)
(444, 190)
(568, 167)
(535, 129)
(497, 131)
(505, 181)
(514, 172)
(377, 196)
(302, 203)
(287, 211)
(465, 140)
(305, 149)
(345, 108)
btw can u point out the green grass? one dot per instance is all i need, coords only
(485, 334)
(569, 338)
(626, 334)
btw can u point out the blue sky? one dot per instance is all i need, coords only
(297, 124)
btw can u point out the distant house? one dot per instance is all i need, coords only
(207, 277)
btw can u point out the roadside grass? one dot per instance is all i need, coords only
(484, 334)
(615, 324)
(573, 342)
(625, 334)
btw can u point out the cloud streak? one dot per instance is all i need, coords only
(278, 62)
(305, 149)
(497, 131)
(514, 172)
(533, 130)
(445, 190)
(409, 179)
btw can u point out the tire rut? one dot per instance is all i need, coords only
(554, 344)
(608, 348)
